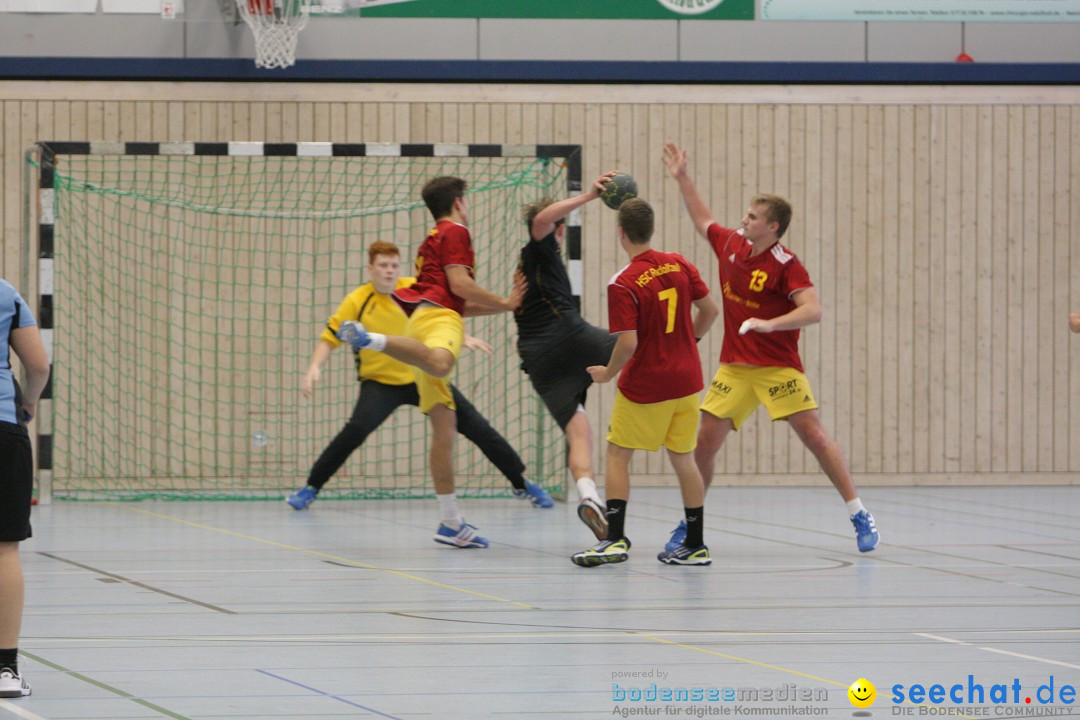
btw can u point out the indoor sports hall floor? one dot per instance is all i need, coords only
(349, 610)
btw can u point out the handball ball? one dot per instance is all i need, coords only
(620, 187)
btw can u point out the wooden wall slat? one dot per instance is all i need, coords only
(943, 239)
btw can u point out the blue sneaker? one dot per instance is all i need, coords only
(683, 555)
(865, 530)
(465, 537)
(535, 494)
(353, 333)
(678, 537)
(302, 497)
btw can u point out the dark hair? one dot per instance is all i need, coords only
(531, 210)
(636, 219)
(440, 193)
(778, 210)
(382, 248)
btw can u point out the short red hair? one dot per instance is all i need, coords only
(382, 248)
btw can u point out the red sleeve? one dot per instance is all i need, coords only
(795, 277)
(457, 247)
(622, 308)
(718, 238)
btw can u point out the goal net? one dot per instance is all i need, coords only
(191, 283)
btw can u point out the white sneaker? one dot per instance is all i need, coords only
(591, 511)
(12, 685)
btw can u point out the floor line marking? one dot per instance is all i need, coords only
(1030, 657)
(12, 707)
(789, 671)
(326, 694)
(317, 553)
(135, 583)
(105, 686)
(987, 648)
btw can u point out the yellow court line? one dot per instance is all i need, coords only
(328, 556)
(743, 660)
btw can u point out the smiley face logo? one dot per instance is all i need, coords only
(862, 693)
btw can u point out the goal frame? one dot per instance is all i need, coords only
(49, 153)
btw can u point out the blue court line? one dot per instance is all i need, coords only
(326, 694)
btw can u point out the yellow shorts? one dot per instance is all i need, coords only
(737, 390)
(671, 423)
(436, 327)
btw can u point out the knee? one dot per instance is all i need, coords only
(441, 364)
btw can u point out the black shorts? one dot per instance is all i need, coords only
(558, 374)
(16, 482)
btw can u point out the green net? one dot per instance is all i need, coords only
(190, 292)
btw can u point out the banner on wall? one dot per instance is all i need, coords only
(924, 10)
(545, 9)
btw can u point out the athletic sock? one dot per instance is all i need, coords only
(9, 658)
(448, 511)
(586, 488)
(616, 515)
(854, 506)
(378, 341)
(695, 526)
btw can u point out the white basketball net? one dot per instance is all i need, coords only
(276, 25)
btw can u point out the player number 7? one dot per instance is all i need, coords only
(671, 296)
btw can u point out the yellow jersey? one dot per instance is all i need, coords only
(379, 313)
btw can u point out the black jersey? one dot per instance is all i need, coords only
(548, 312)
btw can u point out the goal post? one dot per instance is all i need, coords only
(183, 286)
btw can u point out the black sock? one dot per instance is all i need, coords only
(9, 658)
(695, 526)
(616, 515)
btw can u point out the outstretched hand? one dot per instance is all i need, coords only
(676, 160)
(598, 183)
(475, 343)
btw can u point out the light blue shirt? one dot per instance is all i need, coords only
(14, 313)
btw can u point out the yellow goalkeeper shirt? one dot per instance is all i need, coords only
(378, 313)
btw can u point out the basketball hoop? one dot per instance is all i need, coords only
(276, 25)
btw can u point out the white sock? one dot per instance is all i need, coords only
(586, 488)
(378, 341)
(448, 511)
(854, 506)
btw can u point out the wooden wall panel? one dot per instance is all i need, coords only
(943, 235)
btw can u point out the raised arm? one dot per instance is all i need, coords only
(545, 220)
(676, 160)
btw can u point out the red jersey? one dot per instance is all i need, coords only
(760, 287)
(448, 243)
(653, 295)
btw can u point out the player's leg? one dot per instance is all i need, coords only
(729, 402)
(615, 547)
(807, 425)
(423, 345)
(373, 405)
(15, 494)
(712, 433)
(680, 442)
(786, 394)
(476, 429)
